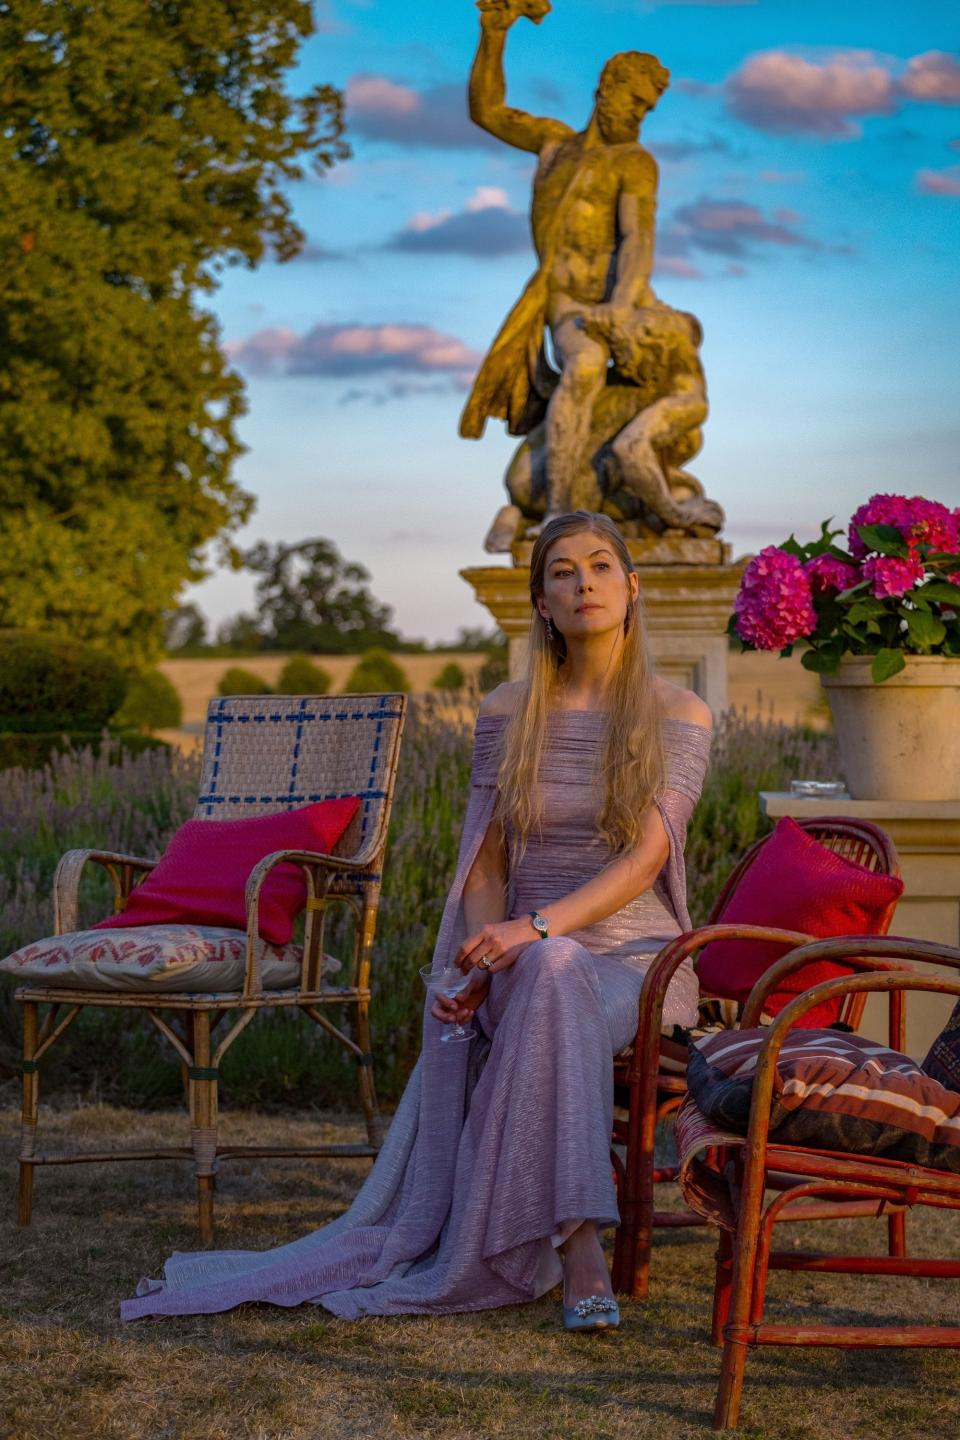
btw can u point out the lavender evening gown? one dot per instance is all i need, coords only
(496, 1144)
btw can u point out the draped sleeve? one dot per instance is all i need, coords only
(487, 752)
(686, 752)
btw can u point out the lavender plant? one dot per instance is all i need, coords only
(133, 804)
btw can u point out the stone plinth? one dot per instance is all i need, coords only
(927, 836)
(687, 607)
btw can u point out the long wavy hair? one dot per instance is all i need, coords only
(631, 763)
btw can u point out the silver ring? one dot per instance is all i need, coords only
(486, 962)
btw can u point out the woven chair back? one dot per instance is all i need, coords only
(265, 753)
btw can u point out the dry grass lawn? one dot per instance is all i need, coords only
(69, 1370)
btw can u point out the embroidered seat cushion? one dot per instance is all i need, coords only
(201, 876)
(162, 958)
(795, 883)
(839, 1092)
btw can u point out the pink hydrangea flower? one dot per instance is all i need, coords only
(826, 572)
(920, 522)
(773, 605)
(879, 510)
(892, 575)
(935, 525)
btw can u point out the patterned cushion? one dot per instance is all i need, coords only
(840, 1092)
(158, 957)
(943, 1057)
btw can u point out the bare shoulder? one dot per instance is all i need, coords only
(680, 704)
(502, 700)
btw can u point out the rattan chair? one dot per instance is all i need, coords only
(649, 1092)
(261, 754)
(812, 1184)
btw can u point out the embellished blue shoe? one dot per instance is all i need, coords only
(596, 1312)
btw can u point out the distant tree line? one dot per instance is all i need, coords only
(309, 600)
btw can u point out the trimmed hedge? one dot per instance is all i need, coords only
(49, 685)
(376, 671)
(239, 681)
(451, 677)
(300, 676)
(152, 703)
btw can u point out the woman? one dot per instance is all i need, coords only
(570, 878)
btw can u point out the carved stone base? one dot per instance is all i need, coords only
(686, 605)
(665, 550)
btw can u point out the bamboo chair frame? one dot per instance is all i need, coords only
(836, 1183)
(362, 760)
(651, 1093)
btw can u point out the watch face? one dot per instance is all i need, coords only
(540, 924)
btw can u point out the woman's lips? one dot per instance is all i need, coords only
(582, 609)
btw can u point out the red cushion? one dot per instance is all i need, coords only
(201, 876)
(795, 883)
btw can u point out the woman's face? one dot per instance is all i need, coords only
(585, 589)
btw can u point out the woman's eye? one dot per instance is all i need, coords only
(603, 565)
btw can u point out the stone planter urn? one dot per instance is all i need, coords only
(899, 740)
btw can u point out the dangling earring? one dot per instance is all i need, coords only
(549, 624)
(628, 618)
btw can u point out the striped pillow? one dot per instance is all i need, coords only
(839, 1092)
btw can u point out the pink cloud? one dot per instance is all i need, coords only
(782, 92)
(934, 77)
(335, 351)
(939, 182)
(681, 269)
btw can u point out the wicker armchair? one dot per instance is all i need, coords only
(650, 1091)
(261, 754)
(811, 1184)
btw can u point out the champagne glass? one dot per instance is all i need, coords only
(449, 981)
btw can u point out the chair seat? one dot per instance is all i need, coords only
(152, 959)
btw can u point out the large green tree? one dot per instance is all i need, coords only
(144, 145)
(310, 598)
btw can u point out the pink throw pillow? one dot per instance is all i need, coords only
(201, 875)
(795, 883)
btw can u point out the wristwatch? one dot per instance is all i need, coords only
(539, 924)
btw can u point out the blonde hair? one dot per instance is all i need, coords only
(632, 764)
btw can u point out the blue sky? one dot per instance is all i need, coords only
(809, 215)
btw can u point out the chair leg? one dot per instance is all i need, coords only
(721, 1288)
(368, 1093)
(29, 1110)
(203, 1125)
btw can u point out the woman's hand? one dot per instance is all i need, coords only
(459, 1009)
(495, 947)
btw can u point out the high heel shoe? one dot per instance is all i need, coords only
(594, 1312)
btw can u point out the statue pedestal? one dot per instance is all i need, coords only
(687, 585)
(927, 836)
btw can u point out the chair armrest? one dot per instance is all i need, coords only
(311, 862)
(66, 881)
(668, 960)
(859, 952)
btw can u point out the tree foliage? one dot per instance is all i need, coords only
(310, 599)
(144, 145)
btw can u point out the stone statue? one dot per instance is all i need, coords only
(592, 216)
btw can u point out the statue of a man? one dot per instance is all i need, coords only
(592, 216)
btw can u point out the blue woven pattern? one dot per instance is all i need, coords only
(265, 753)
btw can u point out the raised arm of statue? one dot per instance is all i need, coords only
(487, 93)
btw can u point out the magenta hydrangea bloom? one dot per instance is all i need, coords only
(892, 575)
(826, 572)
(920, 522)
(773, 605)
